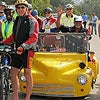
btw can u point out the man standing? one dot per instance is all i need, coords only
(93, 21)
(85, 18)
(7, 25)
(25, 35)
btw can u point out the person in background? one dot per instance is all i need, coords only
(49, 22)
(85, 19)
(2, 15)
(25, 36)
(40, 21)
(93, 22)
(7, 25)
(2, 7)
(76, 28)
(30, 8)
(67, 18)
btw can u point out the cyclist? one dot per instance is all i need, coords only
(25, 35)
(2, 7)
(49, 23)
(30, 8)
(76, 28)
(7, 25)
(85, 19)
(67, 18)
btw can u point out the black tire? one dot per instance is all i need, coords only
(6, 88)
(1, 85)
(6, 84)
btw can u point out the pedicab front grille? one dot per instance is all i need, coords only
(55, 90)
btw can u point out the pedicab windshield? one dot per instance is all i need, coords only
(63, 42)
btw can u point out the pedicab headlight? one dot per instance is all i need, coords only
(82, 79)
(22, 77)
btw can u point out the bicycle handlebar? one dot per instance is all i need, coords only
(7, 49)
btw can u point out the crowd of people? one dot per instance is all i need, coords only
(21, 24)
(49, 23)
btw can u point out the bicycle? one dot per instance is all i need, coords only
(5, 66)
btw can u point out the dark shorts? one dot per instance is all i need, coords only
(22, 61)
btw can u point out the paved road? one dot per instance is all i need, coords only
(94, 94)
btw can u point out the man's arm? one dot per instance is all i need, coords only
(59, 11)
(33, 35)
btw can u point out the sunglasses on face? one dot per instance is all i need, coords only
(21, 7)
(69, 9)
(8, 13)
(47, 13)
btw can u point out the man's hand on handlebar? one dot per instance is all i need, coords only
(1, 43)
(20, 50)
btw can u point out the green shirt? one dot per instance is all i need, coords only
(67, 21)
(6, 29)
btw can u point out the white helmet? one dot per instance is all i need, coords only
(78, 19)
(69, 6)
(23, 2)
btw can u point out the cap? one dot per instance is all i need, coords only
(34, 12)
(78, 19)
(69, 6)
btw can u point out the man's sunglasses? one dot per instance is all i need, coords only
(69, 9)
(21, 7)
(47, 13)
(8, 13)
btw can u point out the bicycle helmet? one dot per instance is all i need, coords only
(69, 6)
(48, 9)
(78, 19)
(34, 12)
(21, 2)
(3, 4)
(30, 7)
(9, 7)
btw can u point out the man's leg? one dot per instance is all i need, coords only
(29, 82)
(92, 29)
(14, 80)
(95, 29)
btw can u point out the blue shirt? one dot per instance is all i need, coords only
(2, 18)
(84, 17)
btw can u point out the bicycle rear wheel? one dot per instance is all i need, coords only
(6, 84)
(1, 85)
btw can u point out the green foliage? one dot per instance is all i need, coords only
(40, 5)
(88, 6)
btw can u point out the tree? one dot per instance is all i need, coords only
(90, 6)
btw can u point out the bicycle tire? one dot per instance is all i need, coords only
(1, 85)
(6, 89)
(6, 84)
